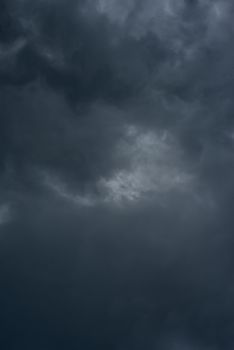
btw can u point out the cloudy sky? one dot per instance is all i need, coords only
(116, 175)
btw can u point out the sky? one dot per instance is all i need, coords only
(116, 175)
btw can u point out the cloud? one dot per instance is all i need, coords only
(116, 174)
(5, 215)
(154, 168)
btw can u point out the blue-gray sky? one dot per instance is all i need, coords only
(116, 174)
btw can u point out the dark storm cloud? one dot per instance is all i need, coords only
(76, 51)
(116, 174)
(42, 133)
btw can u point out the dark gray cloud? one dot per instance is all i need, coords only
(116, 174)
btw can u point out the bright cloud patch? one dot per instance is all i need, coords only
(155, 165)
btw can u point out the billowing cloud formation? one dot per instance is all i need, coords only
(116, 174)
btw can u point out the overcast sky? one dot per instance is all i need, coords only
(116, 175)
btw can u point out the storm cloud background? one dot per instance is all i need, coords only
(116, 174)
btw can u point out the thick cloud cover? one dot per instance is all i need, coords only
(116, 174)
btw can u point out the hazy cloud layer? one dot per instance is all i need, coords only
(116, 174)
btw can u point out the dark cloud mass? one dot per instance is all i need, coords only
(116, 174)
